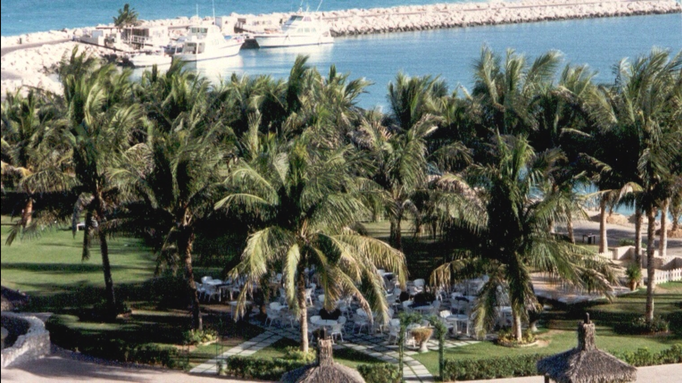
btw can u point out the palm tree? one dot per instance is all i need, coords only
(304, 200)
(506, 236)
(97, 131)
(32, 155)
(641, 107)
(126, 16)
(175, 174)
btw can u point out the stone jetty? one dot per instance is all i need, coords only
(422, 17)
(30, 66)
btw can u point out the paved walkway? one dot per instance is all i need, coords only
(66, 366)
(372, 345)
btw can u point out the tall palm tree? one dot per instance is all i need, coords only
(304, 200)
(641, 104)
(97, 131)
(31, 153)
(506, 237)
(176, 175)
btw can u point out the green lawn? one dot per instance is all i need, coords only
(345, 356)
(49, 266)
(559, 332)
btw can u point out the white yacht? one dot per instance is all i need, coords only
(300, 29)
(206, 42)
(150, 58)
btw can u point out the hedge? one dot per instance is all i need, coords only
(643, 357)
(260, 368)
(273, 368)
(380, 373)
(63, 335)
(491, 368)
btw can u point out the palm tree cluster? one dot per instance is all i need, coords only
(298, 166)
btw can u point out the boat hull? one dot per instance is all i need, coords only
(142, 61)
(280, 40)
(220, 52)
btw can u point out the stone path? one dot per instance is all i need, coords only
(372, 345)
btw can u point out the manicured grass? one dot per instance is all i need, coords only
(560, 329)
(50, 263)
(345, 356)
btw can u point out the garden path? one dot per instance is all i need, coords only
(372, 345)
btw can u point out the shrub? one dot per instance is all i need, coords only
(644, 357)
(257, 368)
(626, 242)
(295, 353)
(506, 337)
(379, 373)
(200, 336)
(639, 326)
(492, 368)
(63, 333)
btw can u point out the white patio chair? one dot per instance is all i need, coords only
(211, 291)
(393, 331)
(337, 330)
(273, 315)
(360, 320)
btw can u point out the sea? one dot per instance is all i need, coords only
(449, 54)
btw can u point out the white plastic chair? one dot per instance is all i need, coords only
(211, 291)
(206, 278)
(360, 320)
(419, 283)
(393, 331)
(337, 330)
(273, 315)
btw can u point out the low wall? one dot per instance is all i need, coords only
(31, 345)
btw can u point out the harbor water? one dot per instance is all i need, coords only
(451, 53)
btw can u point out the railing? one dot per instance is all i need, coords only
(664, 276)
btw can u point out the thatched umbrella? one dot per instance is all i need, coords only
(324, 370)
(585, 363)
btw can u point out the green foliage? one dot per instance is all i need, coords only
(295, 353)
(200, 336)
(380, 373)
(644, 357)
(62, 333)
(257, 368)
(492, 368)
(633, 273)
(506, 337)
(640, 326)
(626, 242)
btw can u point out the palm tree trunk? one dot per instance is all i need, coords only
(638, 235)
(518, 334)
(663, 243)
(303, 308)
(569, 227)
(651, 216)
(104, 250)
(603, 241)
(187, 241)
(27, 213)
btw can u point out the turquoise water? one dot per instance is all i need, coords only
(24, 16)
(450, 53)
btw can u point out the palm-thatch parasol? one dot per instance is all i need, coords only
(324, 370)
(586, 363)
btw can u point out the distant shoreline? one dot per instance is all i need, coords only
(424, 17)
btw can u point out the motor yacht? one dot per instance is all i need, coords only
(206, 42)
(150, 58)
(301, 29)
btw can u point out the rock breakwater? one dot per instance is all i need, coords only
(423, 17)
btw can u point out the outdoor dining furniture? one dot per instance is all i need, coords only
(360, 320)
